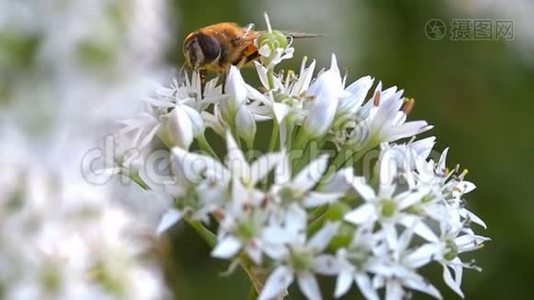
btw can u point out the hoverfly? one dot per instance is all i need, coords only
(216, 47)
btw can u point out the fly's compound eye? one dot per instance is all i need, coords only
(210, 47)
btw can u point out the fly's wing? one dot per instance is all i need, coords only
(296, 35)
(291, 35)
(301, 35)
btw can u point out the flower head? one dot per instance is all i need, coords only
(311, 198)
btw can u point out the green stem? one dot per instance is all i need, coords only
(252, 295)
(270, 78)
(204, 232)
(274, 136)
(205, 146)
(341, 158)
(137, 180)
(317, 218)
(301, 140)
(316, 224)
(300, 162)
(272, 145)
(257, 276)
(289, 133)
(317, 212)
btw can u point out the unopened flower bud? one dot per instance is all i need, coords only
(272, 40)
(245, 125)
(177, 129)
(236, 90)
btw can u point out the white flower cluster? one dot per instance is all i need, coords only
(60, 236)
(371, 212)
(60, 239)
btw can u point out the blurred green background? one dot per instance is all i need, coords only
(478, 94)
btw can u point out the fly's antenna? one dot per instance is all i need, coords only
(249, 28)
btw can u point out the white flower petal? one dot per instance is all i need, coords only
(410, 198)
(193, 167)
(341, 182)
(245, 125)
(394, 290)
(283, 171)
(305, 77)
(343, 283)
(357, 92)
(363, 214)
(295, 220)
(228, 247)
(262, 73)
(474, 218)
(149, 136)
(254, 94)
(422, 255)
(366, 287)
(311, 174)
(179, 128)
(326, 90)
(263, 165)
(406, 130)
(213, 123)
(235, 160)
(277, 283)
(196, 120)
(169, 218)
(419, 227)
(420, 284)
(321, 238)
(363, 189)
(469, 242)
(424, 147)
(385, 112)
(327, 265)
(309, 286)
(314, 199)
(236, 86)
(280, 111)
(447, 277)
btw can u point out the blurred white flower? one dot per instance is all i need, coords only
(83, 247)
(61, 237)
